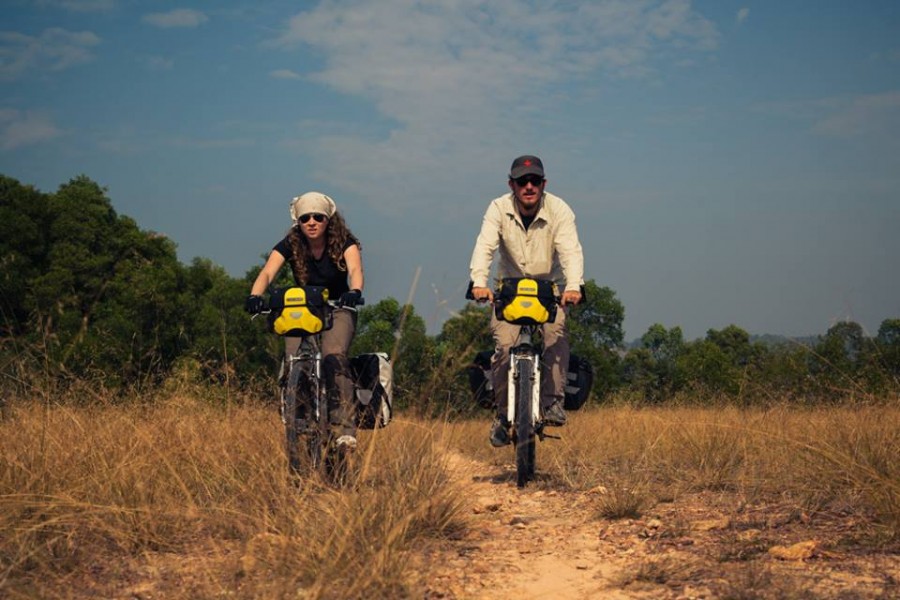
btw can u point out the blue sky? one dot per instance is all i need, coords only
(728, 162)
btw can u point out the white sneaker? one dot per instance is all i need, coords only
(345, 440)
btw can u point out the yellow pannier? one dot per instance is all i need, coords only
(298, 311)
(525, 301)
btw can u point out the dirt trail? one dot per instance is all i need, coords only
(525, 543)
(540, 543)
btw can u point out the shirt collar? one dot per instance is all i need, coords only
(513, 212)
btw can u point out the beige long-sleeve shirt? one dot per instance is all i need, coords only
(548, 249)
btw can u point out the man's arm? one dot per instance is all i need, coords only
(483, 254)
(571, 257)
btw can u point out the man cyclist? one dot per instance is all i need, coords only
(535, 234)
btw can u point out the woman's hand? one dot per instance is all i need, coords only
(350, 299)
(254, 304)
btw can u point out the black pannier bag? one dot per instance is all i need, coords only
(373, 389)
(579, 379)
(480, 382)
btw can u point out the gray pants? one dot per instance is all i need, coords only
(554, 363)
(335, 345)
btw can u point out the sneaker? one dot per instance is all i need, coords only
(499, 433)
(345, 441)
(555, 415)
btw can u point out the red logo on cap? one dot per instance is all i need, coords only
(527, 162)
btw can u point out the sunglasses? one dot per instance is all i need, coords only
(320, 218)
(534, 180)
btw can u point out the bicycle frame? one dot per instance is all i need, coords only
(305, 403)
(523, 391)
(524, 350)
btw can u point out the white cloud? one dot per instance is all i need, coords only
(55, 49)
(742, 14)
(159, 63)
(872, 114)
(213, 143)
(81, 5)
(19, 129)
(453, 72)
(180, 17)
(284, 74)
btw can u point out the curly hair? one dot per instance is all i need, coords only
(336, 235)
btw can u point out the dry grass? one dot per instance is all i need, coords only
(842, 460)
(195, 500)
(184, 498)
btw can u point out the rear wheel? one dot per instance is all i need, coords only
(525, 450)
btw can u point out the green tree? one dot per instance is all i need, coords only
(652, 369)
(216, 330)
(722, 363)
(837, 359)
(461, 338)
(595, 333)
(24, 229)
(103, 295)
(707, 368)
(888, 348)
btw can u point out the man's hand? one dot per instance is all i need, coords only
(483, 294)
(570, 297)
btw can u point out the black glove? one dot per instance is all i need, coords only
(254, 304)
(351, 298)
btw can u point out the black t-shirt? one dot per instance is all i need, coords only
(527, 221)
(322, 272)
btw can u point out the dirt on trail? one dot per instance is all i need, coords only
(538, 542)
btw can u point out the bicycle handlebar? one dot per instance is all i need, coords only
(332, 303)
(471, 296)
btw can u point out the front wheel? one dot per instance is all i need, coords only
(292, 418)
(317, 423)
(525, 448)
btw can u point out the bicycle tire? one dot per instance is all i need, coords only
(291, 424)
(525, 450)
(317, 436)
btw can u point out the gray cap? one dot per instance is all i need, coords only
(526, 165)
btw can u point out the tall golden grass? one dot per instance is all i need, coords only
(97, 497)
(844, 459)
(184, 497)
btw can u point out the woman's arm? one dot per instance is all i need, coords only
(268, 274)
(353, 257)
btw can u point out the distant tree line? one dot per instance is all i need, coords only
(85, 294)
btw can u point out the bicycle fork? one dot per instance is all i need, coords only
(519, 353)
(313, 357)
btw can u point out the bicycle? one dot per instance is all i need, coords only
(306, 312)
(528, 303)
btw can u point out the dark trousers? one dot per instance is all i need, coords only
(335, 345)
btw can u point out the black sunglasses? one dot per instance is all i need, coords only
(320, 218)
(534, 180)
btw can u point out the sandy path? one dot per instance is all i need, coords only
(524, 543)
(540, 543)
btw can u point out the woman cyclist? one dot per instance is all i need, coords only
(322, 251)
